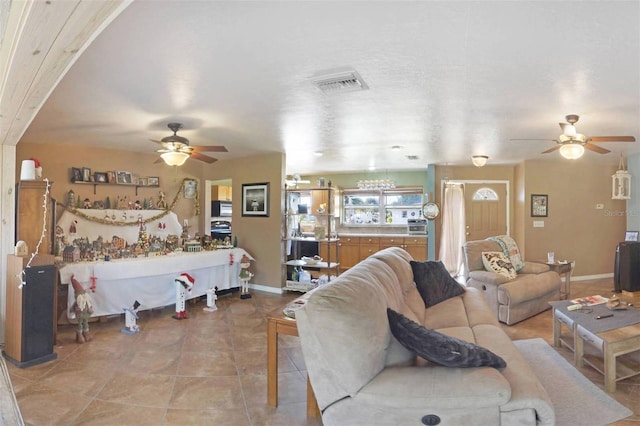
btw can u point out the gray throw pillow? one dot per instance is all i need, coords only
(440, 348)
(434, 282)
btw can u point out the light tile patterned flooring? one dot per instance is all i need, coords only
(207, 370)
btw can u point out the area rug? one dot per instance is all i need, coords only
(576, 400)
(9, 411)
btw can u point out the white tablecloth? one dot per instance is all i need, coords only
(150, 280)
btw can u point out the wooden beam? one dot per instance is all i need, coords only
(42, 41)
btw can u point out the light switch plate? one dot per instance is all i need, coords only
(538, 223)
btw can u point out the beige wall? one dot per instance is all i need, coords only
(57, 159)
(259, 236)
(574, 229)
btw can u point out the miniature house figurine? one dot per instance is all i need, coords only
(245, 276)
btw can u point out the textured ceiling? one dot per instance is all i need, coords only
(446, 80)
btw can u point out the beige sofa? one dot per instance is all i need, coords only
(362, 375)
(511, 300)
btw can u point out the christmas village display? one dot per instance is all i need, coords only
(70, 247)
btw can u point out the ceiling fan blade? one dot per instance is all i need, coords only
(612, 139)
(216, 148)
(555, 148)
(595, 148)
(160, 142)
(204, 158)
(159, 160)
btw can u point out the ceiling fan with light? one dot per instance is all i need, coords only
(572, 144)
(176, 149)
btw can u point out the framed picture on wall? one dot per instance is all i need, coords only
(631, 236)
(86, 174)
(255, 199)
(539, 205)
(123, 177)
(111, 176)
(76, 174)
(100, 177)
(190, 188)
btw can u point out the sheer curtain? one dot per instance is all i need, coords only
(453, 228)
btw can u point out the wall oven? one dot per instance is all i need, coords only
(221, 209)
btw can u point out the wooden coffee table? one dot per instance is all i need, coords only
(612, 344)
(279, 324)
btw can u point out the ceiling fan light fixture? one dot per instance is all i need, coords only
(572, 151)
(174, 158)
(479, 160)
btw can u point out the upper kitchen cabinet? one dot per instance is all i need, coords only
(221, 193)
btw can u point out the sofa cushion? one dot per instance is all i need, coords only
(434, 282)
(439, 348)
(499, 263)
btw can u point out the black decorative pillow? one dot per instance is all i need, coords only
(434, 282)
(440, 348)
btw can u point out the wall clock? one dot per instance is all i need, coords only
(430, 210)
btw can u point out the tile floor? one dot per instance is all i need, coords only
(209, 369)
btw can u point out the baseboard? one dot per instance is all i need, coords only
(267, 288)
(591, 277)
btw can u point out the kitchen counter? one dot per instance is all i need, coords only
(369, 235)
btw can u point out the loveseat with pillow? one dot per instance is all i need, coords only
(515, 289)
(381, 349)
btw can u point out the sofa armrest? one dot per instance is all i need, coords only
(487, 277)
(437, 387)
(534, 268)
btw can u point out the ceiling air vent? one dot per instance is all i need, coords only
(412, 157)
(339, 82)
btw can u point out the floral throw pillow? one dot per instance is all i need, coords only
(498, 262)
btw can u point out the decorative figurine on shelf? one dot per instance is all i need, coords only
(162, 204)
(71, 199)
(211, 300)
(245, 276)
(184, 284)
(86, 204)
(83, 308)
(130, 317)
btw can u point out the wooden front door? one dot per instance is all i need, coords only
(486, 210)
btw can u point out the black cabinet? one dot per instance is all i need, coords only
(29, 328)
(627, 267)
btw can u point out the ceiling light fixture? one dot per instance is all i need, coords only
(572, 151)
(479, 160)
(376, 184)
(174, 158)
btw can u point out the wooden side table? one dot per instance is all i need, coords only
(288, 326)
(563, 268)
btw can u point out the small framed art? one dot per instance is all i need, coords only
(631, 236)
(255, 199)
(123, 177)
(539, 205)
(100, 177)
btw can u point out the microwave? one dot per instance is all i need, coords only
(221, 209)
(417, 226)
